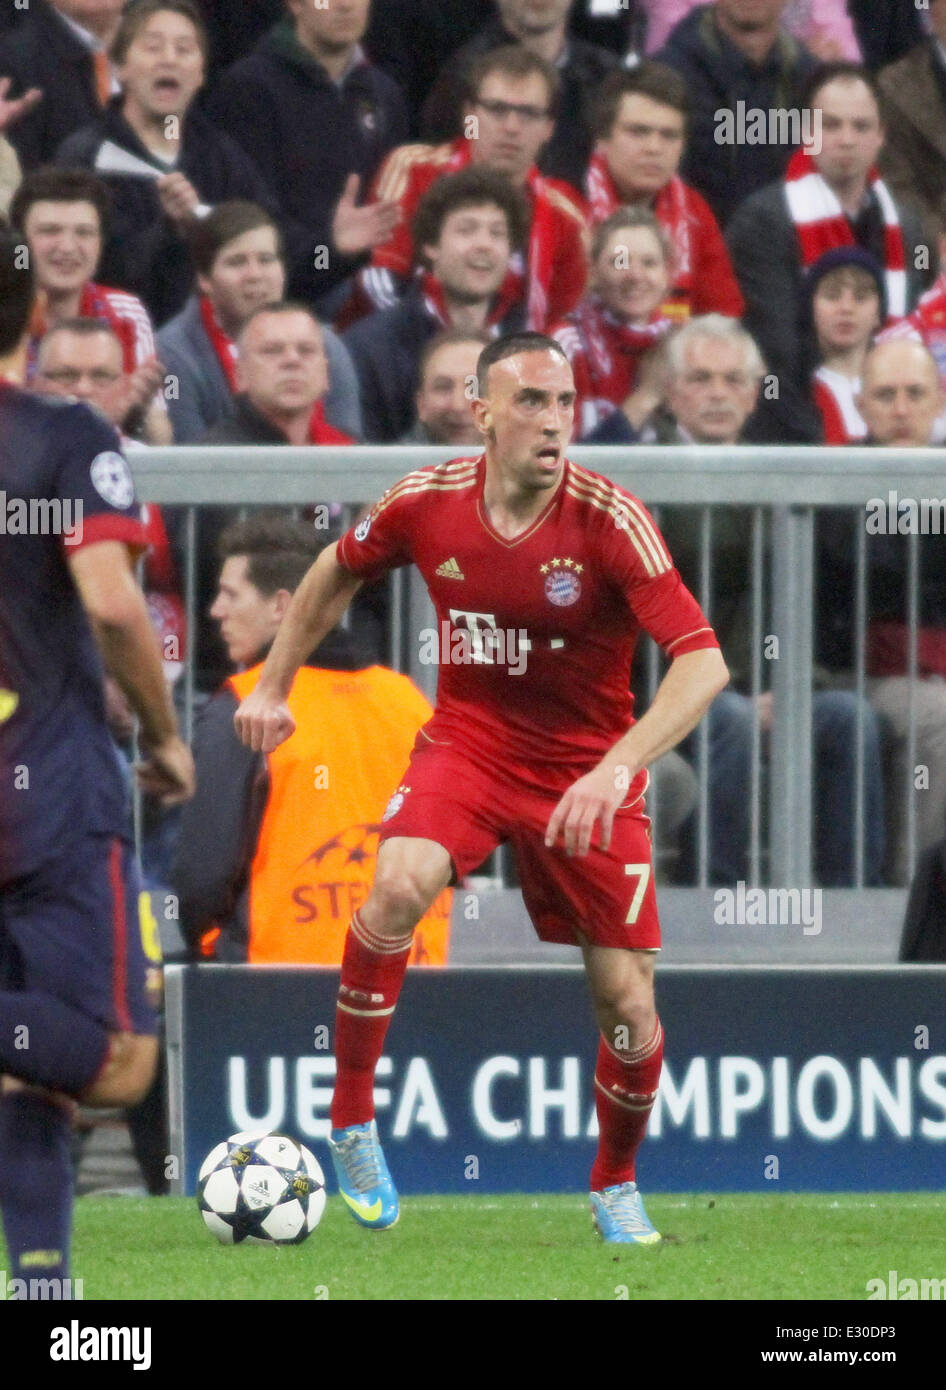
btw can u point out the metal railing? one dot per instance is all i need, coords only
(781, 488)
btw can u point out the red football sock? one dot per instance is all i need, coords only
(625, 1091)
(372, 972)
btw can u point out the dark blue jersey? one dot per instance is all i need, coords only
(63, 484)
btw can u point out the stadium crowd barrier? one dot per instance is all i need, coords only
(780, 489)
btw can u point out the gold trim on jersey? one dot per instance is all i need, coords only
(563, 203)
(396, 170)
(687, 635)
(422, 480)
(640, 529)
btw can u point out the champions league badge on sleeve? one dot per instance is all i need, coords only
(363, 527)
(112, 480)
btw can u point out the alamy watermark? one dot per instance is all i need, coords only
(474, 639)
(905, 516)
(768, 907)
(41, 516)
(775, 125)
(43, 1290)
(906, 1290)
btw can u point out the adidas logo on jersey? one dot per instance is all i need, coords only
(450, 569)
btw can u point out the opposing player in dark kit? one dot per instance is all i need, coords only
(543, 575)
(76, 982)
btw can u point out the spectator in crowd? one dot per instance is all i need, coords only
(913, 160)
(640, 119)
(507, 120)
(237, 252)
(412, 39)
(310, 109)
(62, 213)
(444, 400)
(832, 195)
(275, 851)
(620, 321)
(847, 296)
(59, 53)
(823, 26)
(465, 229)
(281, 376)
(901, 397)
(164, 162)
(713, 373)
(736, 60)
(927, 323)
(580, 66)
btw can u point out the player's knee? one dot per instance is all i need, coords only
(399, 898)
(126, 1077)
(627, 1007)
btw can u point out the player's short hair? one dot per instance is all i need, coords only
(472, 187)
(450, 337)
(51, 185)
(515, 61)
(17, 290)
(136, 16)
(656, 81)
(234, 218)
(279, 551)
(279, 306)
(840, 71)
(629, 219)
(720, 328)
(511, 346)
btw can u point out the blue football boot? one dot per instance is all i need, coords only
(364, 1182)
(619, 1216)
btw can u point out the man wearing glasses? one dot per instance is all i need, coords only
(541, 26)
(507, 119)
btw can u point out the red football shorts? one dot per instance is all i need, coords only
(605, 897)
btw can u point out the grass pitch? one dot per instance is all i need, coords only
(779, 1246)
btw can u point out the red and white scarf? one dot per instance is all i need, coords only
(605, 353)
(672, 208)
(821, 224)
(222, 344)
(835, 397)
(435, 301)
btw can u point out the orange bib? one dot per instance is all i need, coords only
(329, 785)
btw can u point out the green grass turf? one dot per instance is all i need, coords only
(778, 1246)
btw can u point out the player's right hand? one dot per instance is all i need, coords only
(168, 771)
(263, 722)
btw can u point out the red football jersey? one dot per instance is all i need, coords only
(535, 635)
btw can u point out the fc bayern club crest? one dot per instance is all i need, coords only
(562, 587)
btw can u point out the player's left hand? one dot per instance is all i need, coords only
(594, 797)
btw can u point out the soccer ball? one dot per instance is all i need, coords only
(261, 1188)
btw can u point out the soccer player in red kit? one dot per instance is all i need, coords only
(543, 575)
